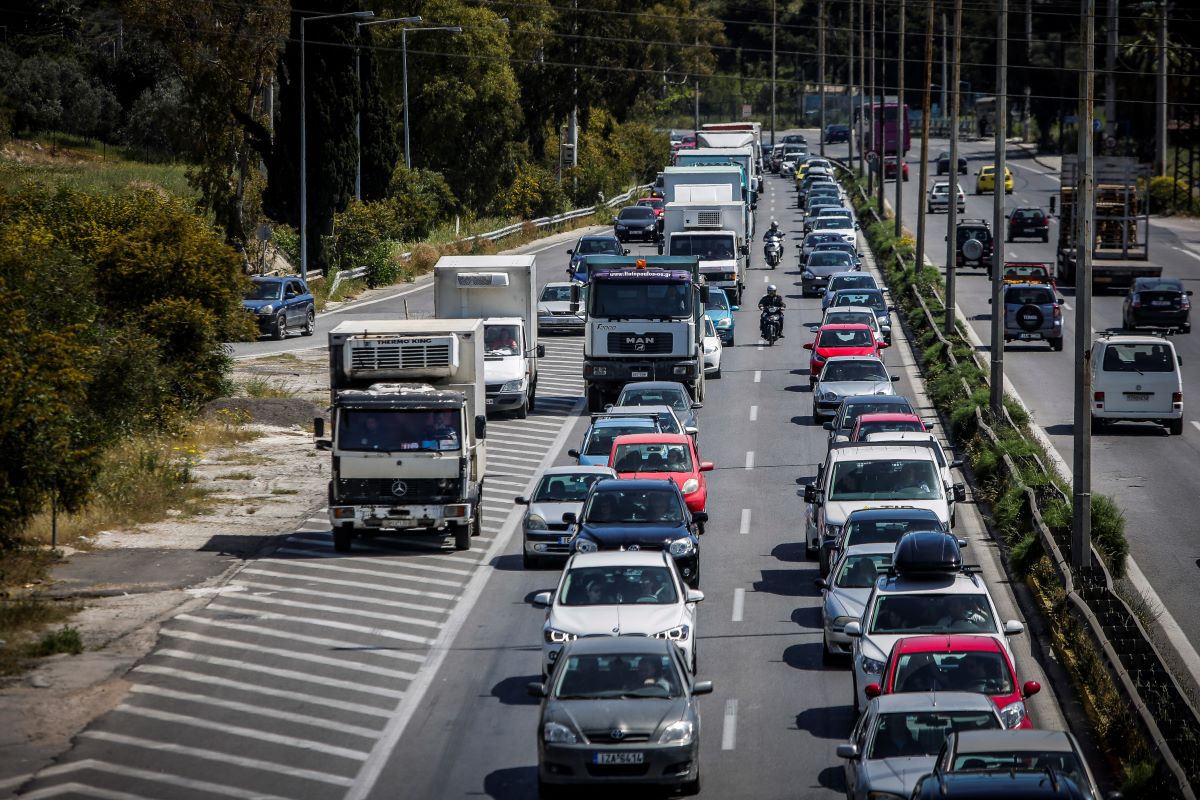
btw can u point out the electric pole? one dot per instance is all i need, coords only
(952, 198)
(996, 396)
(1027, 115)
(1081, 501)
(881, 143)
(1160, 95)
(850, 88)
(821, 72)
(1110, 72)
(862, 85)
(773, 65)
(945, 66)
(872, 126)
(926, 103)
(901, 126)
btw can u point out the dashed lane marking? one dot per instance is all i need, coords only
(739, 602)
(754, 413)
(729, 732)
(758, 376)
(744, 526)
(750, 459)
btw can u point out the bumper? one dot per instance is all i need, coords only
(725, 335)
(1161, 318)
(813, 286)
(1134, 416)
(1028, 233)
(547, 544)
(622, 372)
(837, 641)
(551, 322)
(508, 401)
(400, 517)
(1033, 336)
(650, 235)
(265, 323)
(662, 764)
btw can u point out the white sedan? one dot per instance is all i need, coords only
(712, 350)
(939, 199)
(616, 592)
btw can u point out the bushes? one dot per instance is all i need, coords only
(1168, 196)
(535, 192)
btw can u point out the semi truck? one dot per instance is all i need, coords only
(645, 322)
(1120, 243)
(407, 429)
(715, 233)
(499, 290)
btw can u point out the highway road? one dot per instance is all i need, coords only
(1146, 471)
(400, 671)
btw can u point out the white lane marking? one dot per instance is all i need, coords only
(369, 587)
(302, 719)
(514, 459)
(744, 527)
(74, 787)
(1187, 252)
(93, 765)
(261, 689)
(749, 459)
(758, 376)
(766, 279)
(729, 733)
(759, 348)
(754, 413)
(739, 603)
(499, 482)
(358, 613)
(333, 644)
(339, 624)
(1067, 306)
(404, 563)
(290, 674)
(289, 770)
(391, 576)
(8, 784)
(1196, 425)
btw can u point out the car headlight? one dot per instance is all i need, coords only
(554, 733)
(690, 485)
(678, 733)
(677, 634)
(807, 274)
(585, 546)
(535, 523)
(1013, 714)
(709, 349)
(725, 323)
(831, 532)
(827, 397)
(513, 386)
(555, 636)
(266, 309)
(839, 623)
(681, 547)
(871, 666)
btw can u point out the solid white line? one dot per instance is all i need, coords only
(8, 784)
(749, 459)
(258, 688)
(371, 587)
(1196, 424)
(354, 612)
(332, 644)
(754, 413)
(339, 624)
(318, 565)
(758, 376)
(744, 527)
(74, 787)
(739, 604)
(1187, 252)
(307, 677)
(516, 439)
(154, 777)
(221, 758)
(729, 733)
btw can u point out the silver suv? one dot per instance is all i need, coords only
(1032, 312)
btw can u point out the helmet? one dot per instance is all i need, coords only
(771, 288)
(774, 224)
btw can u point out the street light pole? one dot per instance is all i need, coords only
(404, 70)
(774, 20)
(304, 134)
(358, 78)
(919, 263)
(821, 72)
(996, 398)
(901, 126)
(952, 197)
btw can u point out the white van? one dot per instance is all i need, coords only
(1137, 378)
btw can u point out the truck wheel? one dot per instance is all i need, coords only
(279, 327)
(310, 323)
(523, 411)
(343, 539)
(462, 537)
(1175, 427)
(533, 396)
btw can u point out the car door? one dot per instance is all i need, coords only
(293, 308)
(853, 766)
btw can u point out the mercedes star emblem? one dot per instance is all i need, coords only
(399, 488)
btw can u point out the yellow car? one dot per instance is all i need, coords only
(985, 180)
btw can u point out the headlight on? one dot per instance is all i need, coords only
(513, 386)
(871, 666)
(681, 547)
(839, 623)
(678, 733)
(690, 485)
(725, 323)
(266, 310)
(677, 634)
(555, 636)
(1013, 714)
(535, 523)
(585, 546)
(555, 733)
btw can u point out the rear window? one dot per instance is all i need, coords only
(637, 212)
(1029, 296)
(845, 337)
(1138, 358)
(883, 531)
(826, 258)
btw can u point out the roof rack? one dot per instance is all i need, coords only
(885, 443)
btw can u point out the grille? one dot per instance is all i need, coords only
(640, 343)
(400, 356)
(380, 491)
(605, 737)
(708, 219)
(617, 770)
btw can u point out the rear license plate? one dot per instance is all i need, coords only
(1031, 336)
(619, 758)
(639, 373)
(1160, 303)
(1138, 397)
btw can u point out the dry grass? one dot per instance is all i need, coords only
(87, 166)
(22, 619)
(265, 387)
(236, 476)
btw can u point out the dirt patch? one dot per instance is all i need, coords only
(279, 412)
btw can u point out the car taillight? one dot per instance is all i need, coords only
(1176, 397)
(1058, 312)
(1136, 301)
(1099, 398)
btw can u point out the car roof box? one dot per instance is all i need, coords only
(927, 553)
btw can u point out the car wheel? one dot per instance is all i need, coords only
(716, 375)
(692, 787)
(279, 327)
(1175, 427)
(343, 539)
(310, 323)
(1045, 237)
(854, 678)
(828, 659)
(523, 411)
(731, 339)
(1056, 345)
(462, 537)
(1099, 424)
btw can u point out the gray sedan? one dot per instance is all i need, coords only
(619, 710)
(849, 376)
(561, 490)
(819, 267)
(845, 593)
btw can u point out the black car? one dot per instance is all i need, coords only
(1161, 302)
(1028, 223)
(1014, 784)
(642, 513)
(280, 304)
(876, 526)
(837, 133)
(593, 245)
(974, 244)
(1003, 750)
(943, 164)
(842, 424)
(637, 222)
(793, 138)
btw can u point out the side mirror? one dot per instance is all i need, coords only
(542, 599)
(821, 584)
(660, 248)
(571, 252)
(735, 308)
(853, 629)
(698, 517)
(573, 453)
(960, 492)
(324, 444)
(956, 463)
(1030, 688)
(626, 251)
(1180, 360)
(1013, 628)
(694, 596)
(481, 427)
(1189, 292)
(849, 751)
(945, 238)
(521, 501)
(697, 405)
(808, 345)
(702, 687)
(810, 493)
(570, 517)
(884, 345)
(1061, 300)
(536, 689)
(962, 542)
(989, 301)
(827, 426)
(706, 466)
(541, 351)
(319, 427)
(574, 297)
(872, 690)
(895, 379)
(691, 430)
(743, 250)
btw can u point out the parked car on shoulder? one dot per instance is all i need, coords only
(281, 304)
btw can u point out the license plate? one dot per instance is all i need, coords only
(1138, 397)
(1160, 302)
(1031, 336)
(639, 373)
(491, 401)
(564, 540)
(618, 758)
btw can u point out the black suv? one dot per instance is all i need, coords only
(974, 245)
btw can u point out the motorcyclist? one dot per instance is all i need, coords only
(773, 232)
(769, 302)
(773, 237)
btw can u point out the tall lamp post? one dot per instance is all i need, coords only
(404, 56)
(304, 134)
(358, 78)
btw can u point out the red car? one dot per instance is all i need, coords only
(657, 203)
(663, 455)
(841, 340)
(957, 663)
(886, 423)
(889, 167)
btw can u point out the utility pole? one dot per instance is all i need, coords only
(1028, 114)
(996, 396)
(952, 199)
(862, 85)
(821, 71)
(850, 87)
(901, 125)
(696, 98)
(1160, 95)
(774, 20)
(927, 102)
(1110, 72)
(945, 66)
(881, 139)
(1081, 501)
(872, 125)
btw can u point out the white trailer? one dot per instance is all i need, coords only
(713, 232)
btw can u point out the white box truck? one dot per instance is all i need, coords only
(714, 233)
(498, 290)
(407, 429)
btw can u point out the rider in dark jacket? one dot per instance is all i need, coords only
(768, 302)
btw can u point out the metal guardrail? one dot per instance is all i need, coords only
(499, 233)
(1133, 662)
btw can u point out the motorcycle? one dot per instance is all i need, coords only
(771, 325)
(773, 251)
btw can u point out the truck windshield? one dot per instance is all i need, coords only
(392, 430)
(708, 247)
(501, 340)
(640, 300)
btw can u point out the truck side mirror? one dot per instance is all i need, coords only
(704, 293)
(521, 501)
(480, 427)
(574, 296)
(743, 250)
(319, 427)
(810, 493)
(660, 247)
(541, 351)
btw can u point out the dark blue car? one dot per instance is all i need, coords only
(281, 304)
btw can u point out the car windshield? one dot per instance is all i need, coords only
(1141, 357)
(1029, 295)
(264, 290)
(985, 672)
(982, 234)
(883, 531)
(601, 437)
(844, 337)
(826, 258)
(594, 246)
(854, 371)
(851, 318)
(932, 613)
(940, 188)
(569, 488)
(865, 429)
(636, 212)
(552, 294)
(615, 586)
(873, 300)
(815, 239)
(851, 282)
(624, 676)
(1064, 763)
(860, 571)
(835, 223)
(677, 399)
(706, 247)
(836, 247)
(394, 430)
(633, 505)
(921, 733)
(1027, 213)
(717, 300)
(903, 479)
(652, 458)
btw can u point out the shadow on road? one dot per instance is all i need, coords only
(511, 691)
(805, 656)
(831, 722)
(833, 778)
(515, 783)
(786, 583)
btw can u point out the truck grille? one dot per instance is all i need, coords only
(640, 343)
(400, 356)
(389, 491)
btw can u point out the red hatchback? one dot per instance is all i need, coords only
(841, 340)
(657, 203)
(867, 424)
(957, 663)
(663, 455)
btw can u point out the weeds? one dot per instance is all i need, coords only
(236, 476)
(64, 640)
(264, 387)
(21, 618)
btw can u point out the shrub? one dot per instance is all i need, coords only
(1168, 195)
(423, 258)
(1108, 534)
(535, 192)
